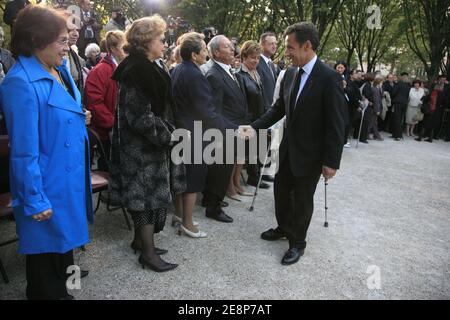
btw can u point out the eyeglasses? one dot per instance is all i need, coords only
(63, 42)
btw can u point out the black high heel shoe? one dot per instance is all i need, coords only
(158, 251)
(166, 267)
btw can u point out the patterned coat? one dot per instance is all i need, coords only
(142, 175)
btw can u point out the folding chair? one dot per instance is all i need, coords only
(100, 178)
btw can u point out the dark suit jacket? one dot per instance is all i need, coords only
(228, 98)
(194, 100)
(268, 82)
(254, 93)
(400, 93)
(314, 136)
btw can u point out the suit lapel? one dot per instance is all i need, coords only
(228, 80)
(289, 87)
(309, 85)
(267, 70)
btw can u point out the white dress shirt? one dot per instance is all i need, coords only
(226, 68)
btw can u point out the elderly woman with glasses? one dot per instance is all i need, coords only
(49, 165)
(142, 176)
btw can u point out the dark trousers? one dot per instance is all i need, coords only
(397, 120)
(217, 181)
(47, 275)
(294, 203)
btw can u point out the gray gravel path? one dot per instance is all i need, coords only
(389, 216)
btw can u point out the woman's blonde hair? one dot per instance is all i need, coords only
(250, 47)
(142, 32)
(113, 39)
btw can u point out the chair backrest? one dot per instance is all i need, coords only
(4, 146)
(96, 144)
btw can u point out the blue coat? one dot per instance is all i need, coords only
(48, 161)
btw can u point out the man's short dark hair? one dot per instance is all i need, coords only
(265, 35)
(305, 31)
(404, 74)
(35, 28)
(191, 42)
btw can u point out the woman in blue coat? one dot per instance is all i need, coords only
(49, 165)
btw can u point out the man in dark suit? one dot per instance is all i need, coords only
(230, 101)
(400, 97)
(266, 68)
(313, 101)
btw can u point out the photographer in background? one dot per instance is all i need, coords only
(117, 21)
(90, 28)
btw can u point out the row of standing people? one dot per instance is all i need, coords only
(392, 105)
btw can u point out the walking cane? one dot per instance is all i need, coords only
(260, 178)
(360, 126)
(326, 206)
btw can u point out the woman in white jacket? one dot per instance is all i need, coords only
(415, 96)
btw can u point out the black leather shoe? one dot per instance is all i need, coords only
(364, 141)
(254, 183)
(84, 273)
(223, 204)
(273, 234)
(218, 215)
(292, 256)
(268, 178)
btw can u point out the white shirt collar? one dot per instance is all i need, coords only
(310, 65)
(267, 60)
(225, 67)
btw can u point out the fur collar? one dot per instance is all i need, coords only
(146, 76)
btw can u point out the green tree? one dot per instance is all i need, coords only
(427, 29)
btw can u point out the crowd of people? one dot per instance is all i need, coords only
(134, 93)
(395, 105)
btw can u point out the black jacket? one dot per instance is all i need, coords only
(314, 135)
(400, 93)
(354, 95)
(228, 98)
(268, 82)
(254, 93)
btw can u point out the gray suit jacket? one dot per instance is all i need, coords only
(268, 82)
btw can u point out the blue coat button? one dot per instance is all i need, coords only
(69, 121)
(68, 169)
(67, 144)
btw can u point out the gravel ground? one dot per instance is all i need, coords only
(389, 213)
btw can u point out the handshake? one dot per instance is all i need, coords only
(246, 132)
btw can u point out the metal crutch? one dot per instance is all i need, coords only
(326, 205)
(360, 126)
(260, 178)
